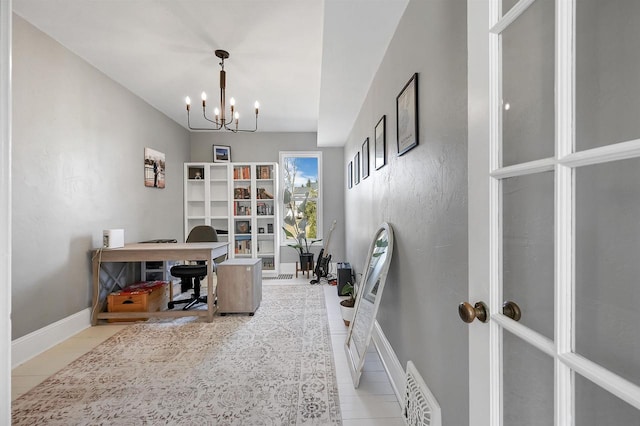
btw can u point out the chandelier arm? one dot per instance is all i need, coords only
(198, 128)
(244, 130)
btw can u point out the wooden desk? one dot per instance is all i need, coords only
(158, 252)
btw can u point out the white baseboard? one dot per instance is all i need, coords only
(33, 344)
(397, 375)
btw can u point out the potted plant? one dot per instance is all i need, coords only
(296, 220)
(347, 305)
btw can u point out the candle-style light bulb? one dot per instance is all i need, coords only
(204, 99)
(257, 106)
(232, 102)
(236, 116)
(216, 112)
(188, 102)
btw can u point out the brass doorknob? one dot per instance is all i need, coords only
(512, 310)
(468, 313)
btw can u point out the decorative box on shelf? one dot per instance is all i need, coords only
(143, 296)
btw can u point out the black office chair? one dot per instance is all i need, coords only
(190, 275)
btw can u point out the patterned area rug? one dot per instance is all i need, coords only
(275, 368)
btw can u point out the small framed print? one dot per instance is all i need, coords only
(380, 143)
(365, 159)
(154, 168)
(350, 175)
(356, 168)
(407, 116)
(221, 154)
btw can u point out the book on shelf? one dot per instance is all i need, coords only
(242, 172)
(240, 193)
(263, 194)
(240, 209)
(243, 246)
(263, 172)
(268, 263)
(264, 209)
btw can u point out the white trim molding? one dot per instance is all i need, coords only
(5, 211)
(390, 362)
(33, 344)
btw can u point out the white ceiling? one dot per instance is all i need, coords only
(308, 62)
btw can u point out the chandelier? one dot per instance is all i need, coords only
(220, 120)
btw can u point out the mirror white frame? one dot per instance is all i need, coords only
(368, 295)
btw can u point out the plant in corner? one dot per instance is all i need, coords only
(347, 305)
(296, 222)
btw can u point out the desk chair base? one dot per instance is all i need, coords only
(188, 282)
(190, 303)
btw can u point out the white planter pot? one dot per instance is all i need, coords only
(347, 314)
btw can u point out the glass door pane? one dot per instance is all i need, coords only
(527, 245)
(527, 384)
(597, 407)
(608, 266)
(607, 70)
(528, 85)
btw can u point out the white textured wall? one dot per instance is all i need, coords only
(266, 147)
(78, 147)
(423, 195)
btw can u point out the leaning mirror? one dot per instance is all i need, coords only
(368, 294)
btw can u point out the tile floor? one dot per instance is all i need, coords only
(372, 404)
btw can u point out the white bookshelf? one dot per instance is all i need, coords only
(240, 201)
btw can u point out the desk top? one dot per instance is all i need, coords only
(162, 251)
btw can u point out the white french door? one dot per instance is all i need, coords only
(554, 212)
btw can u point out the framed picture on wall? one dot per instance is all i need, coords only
(350, 175)
(221, 154)
(154, 168)
(407, 116)
(380, 143)
(365, 159)
(356, 168)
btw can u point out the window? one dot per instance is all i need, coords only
(301, 186)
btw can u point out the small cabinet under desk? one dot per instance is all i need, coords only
(239, 285)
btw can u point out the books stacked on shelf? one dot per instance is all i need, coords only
(241, 209)
(264, 209)
(263, 172)
(242, 172)
(243, 244)
(242, 193)
(263, 194)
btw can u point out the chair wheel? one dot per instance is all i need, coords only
(170, 305)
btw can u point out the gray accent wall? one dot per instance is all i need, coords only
(78, 148)
(266, 147)
(423, 195)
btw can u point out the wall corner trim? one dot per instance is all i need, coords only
(26, 347)
(391, 363)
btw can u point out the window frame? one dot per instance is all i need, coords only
(284, 241)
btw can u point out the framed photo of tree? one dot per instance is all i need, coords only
(407, 116)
